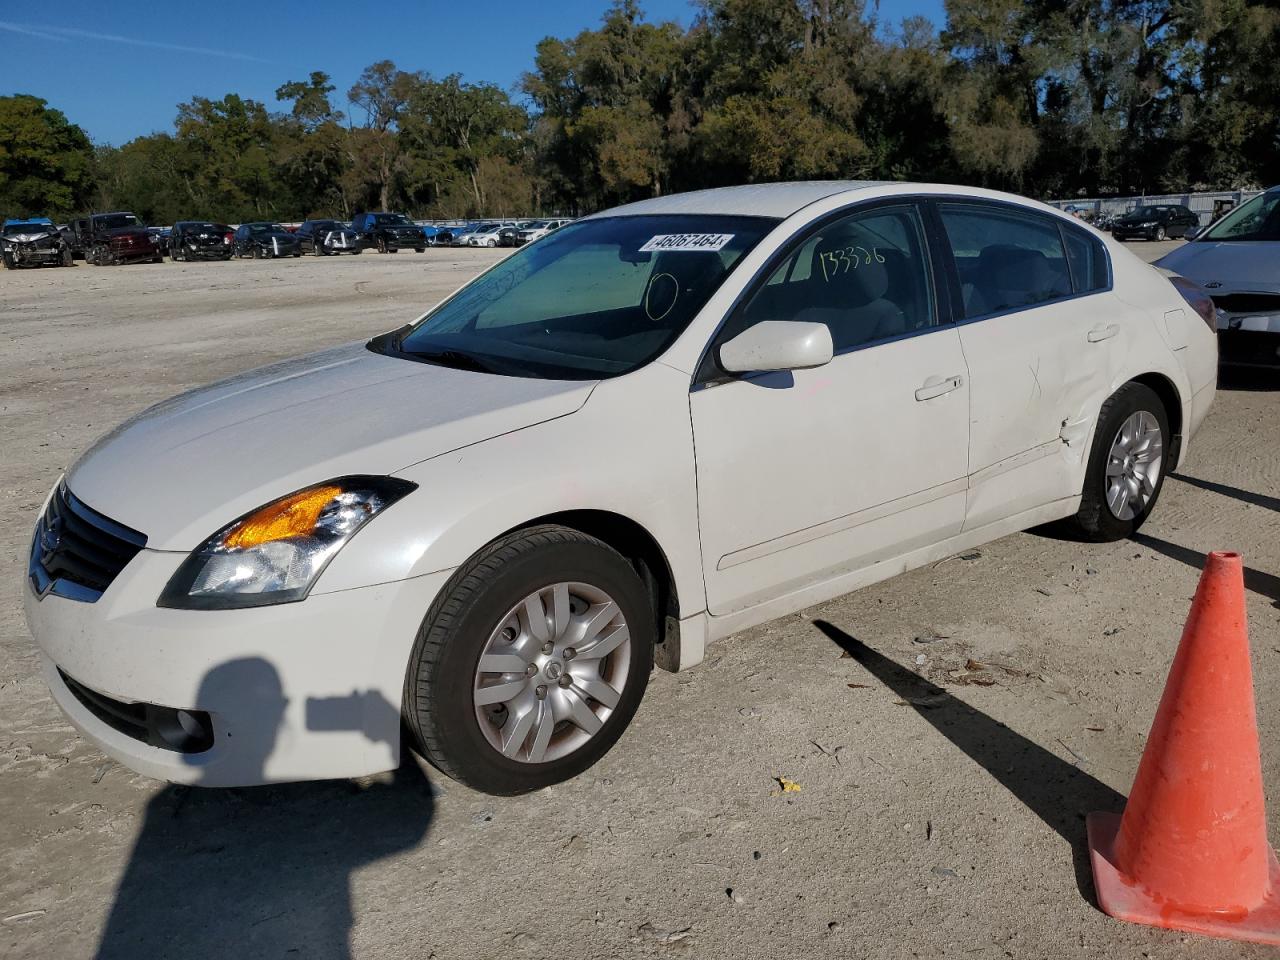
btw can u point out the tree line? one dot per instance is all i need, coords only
(1046, 97)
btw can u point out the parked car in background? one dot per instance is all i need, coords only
(465, 521)
(388, 232)
(323, 237)
(200, 240)
(483, 236)
(35, 242)
(113, 238)
(264, 240)
(540, 229)
(1237, 262)
(1159, 221)
(509, 233)
(161, 236)
(462, 234)
(437, 236)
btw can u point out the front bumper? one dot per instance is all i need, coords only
(1254, 345)
(298, 691)
(219, 251)
(1133, 233)
(34, 256)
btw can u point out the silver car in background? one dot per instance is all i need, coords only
(1237, 262)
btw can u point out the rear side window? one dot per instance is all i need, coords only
(1088, 261)
(1006, 259)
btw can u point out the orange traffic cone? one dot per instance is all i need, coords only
(1191, 852)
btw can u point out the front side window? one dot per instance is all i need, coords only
(599, 299)
(1006, 259)
(1256, 219)
(865, 276)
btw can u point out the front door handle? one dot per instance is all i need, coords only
(1098, 334)
(937, 386)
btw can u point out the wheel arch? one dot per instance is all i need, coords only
(1167, 391)
(642, 549)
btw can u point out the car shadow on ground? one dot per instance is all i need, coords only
(1264, 584)
(1245, 496)
(1056, 791)
(218, 874)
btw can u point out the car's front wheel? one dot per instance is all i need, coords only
(531, 662)
(1126, 465)
(1160, 233)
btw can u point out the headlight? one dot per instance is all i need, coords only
(276, 553)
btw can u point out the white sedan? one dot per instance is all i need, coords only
(655, 427)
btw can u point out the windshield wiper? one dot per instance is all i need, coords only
(455, 359)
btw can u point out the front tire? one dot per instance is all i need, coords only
(531, 662)
(1160, 234)
(1127, 465)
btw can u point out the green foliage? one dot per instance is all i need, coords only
(46, 162)
(1048, 97)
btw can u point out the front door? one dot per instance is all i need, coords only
(808, 475)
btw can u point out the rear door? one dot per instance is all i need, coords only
(808, 475)
(1039, 350)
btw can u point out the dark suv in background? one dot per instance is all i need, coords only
(1157, 221)
(107, 238)
(388, 232)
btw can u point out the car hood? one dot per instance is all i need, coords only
(27, 236)
(1234, 265)
(185, 468)
(126, 232)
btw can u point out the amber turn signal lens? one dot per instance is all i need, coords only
(294, 516)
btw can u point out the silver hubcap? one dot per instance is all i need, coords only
(1133, 465)
(552, 672)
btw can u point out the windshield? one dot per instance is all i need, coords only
(600, 299)
(1145, 213)
(1256, 219)
(114, 221)
(10, 229)
(391, 220)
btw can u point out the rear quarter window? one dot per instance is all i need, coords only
(1087, 258)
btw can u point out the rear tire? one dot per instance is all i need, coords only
(482, 610)
(1107, 512)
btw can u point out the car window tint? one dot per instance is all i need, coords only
(1088, 260)
(864, 276)
(1006, 259)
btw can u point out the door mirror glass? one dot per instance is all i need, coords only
(778, 345)
(1192, 232)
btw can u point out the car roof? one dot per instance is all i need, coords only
(757, 199)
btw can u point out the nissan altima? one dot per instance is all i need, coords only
(657, 426)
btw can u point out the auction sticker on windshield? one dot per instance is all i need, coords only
(666, 242)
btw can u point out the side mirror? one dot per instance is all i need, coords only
(778, 345)
(1193, 232)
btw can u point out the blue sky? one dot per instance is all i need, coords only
(119, 69)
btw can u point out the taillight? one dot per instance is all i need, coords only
(1197, 299)
(226, 239)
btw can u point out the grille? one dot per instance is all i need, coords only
(77, 552)
(1248, 302)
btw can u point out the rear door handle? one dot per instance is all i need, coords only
(937, 386)
(1098, 334)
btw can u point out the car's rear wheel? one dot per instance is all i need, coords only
(531, 662)
(1126, 465)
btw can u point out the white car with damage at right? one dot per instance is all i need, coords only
(658, 426)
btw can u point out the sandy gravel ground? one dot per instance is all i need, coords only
(924, 828)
